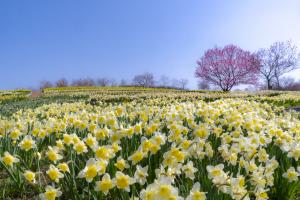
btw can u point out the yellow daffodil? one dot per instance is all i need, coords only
(51, 193)
(29, 176)
(123, 181)
(27, 143)
(54, 174)
(9, 159)
(90, 171)
(105, 184)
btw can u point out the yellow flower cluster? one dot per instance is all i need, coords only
(161, 148)
(13, 94)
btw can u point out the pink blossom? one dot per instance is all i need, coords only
(228, 67)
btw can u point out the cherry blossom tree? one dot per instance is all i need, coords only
(227, 67)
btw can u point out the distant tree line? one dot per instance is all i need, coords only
(288, 84)
(141, 80)
(222, 68)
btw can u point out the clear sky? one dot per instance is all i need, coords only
(50, 39)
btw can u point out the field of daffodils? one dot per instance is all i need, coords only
(152, 145)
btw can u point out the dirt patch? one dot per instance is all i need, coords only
(296, 108)
(35, 94)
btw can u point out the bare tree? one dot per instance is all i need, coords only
(89, 82)
(279, 59)
(62, 82)
(286, 82)
(164, 81)
(45, 84)
(113, 82)
(182, 83)
(83, 82)
(144, 80)
(123, 82)
(203, 85)
(103, 82)
(77, 82)
(175, 83)
(266, 69)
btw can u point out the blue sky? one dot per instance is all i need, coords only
(50, 39)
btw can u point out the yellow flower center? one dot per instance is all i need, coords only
(198, 196)
(90, 142)
(138, 156)
(122, 182)
(50, 195)
(120, 165)
(102, 153)
(263, 195)
(30, 176)
(164, 191)
(63, 167)
(27, 144)
(52, 155)
(8, 160)
(105, 185)
(53, 174)
(216, 172)
(91, 172)
(80, 148)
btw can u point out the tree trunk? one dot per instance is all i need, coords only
(277, 83)
(269, 84)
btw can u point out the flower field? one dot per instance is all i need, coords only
(152, 144)
(13, 94)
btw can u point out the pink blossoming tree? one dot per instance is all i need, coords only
(227, 67)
